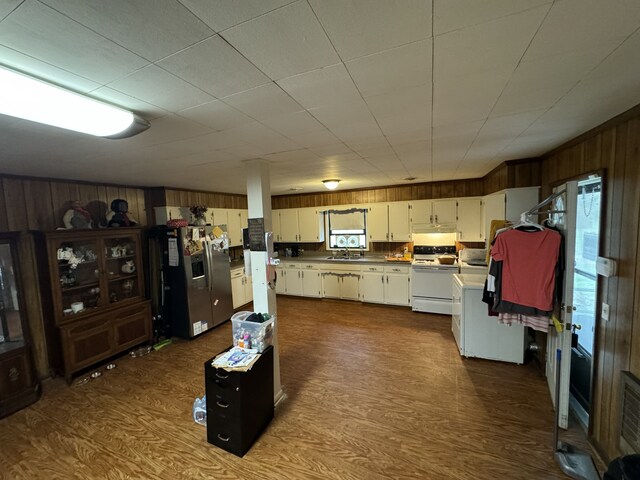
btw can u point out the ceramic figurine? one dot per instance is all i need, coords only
(77, 216)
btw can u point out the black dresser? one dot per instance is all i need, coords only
(239, 404)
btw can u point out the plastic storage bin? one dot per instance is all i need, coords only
(251, 334)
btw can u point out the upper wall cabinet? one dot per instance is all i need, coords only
(298, 225)
(470, 224)
(433, 211)
(236, 221)
(399, 222)
(388, 222)
(378, 222)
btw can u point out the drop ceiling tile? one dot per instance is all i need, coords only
(265, 139)
(362, 27)
(215, 67)
(294, 124)
(37, 68)
(458, 14)
(296, 41)
(331, 150)
(322, 87)
(222, 14)
(43, 33)
(484, 47)
(341, 114)
(355, 132)
(264, 102)
(468, 99)
(7, 7)
(296, 157)
(135, 25)
(599, 23)
(412, 135)
(153, 85)
(217, 115)
(316, 139)
(144, 109)
(392, 70)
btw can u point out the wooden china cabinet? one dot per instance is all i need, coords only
(19, 385)
(97, 293)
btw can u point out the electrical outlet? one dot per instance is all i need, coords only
(605, 311)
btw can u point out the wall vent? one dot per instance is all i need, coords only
(630, 428)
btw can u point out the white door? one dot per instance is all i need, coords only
(281, 282)
(399, 230)
(294, 281)
(470, 220)
(559, 344)
(275, 225)
(234, 228)
(372, 287)
(311, 283)
(421, 212)
(444, 211)
(378, 223)
(396, 289)
(220, 216)
(330, 285)
(349, 287)
(248, 288)
(289, 225)
(309, 225)
(237, 290)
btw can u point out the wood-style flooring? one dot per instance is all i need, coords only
(373, 392)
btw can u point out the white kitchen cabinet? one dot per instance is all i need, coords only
(476, 333)
(293, 225)
(341, 281)
(444, 211)
(311, 280)
(289, 225)
(508, 205)
(372, 284)
(378, 222)
(469, 225)
(396, 285)
(281, 280)
(237, 220)
(441, 211)
(310, 225)
(293, 284)
(399, 222)
(241, 287)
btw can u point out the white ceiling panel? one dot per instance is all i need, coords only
(315, 139)
(7, 6)
(263, 102)
(584, 24)
(355, 132)
(342, 114)
(319, 88)
(217, 115)
(294, 124)
(452, 15)
(136, 24)
(392, 70)
(293, 29)
(40, 32)
(362, 27)
(151, 84)
(37, 68)
(482, 47)
(215, 67)
(223, 14)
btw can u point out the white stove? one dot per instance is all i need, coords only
(432, 281)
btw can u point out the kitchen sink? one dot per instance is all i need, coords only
(351, 259)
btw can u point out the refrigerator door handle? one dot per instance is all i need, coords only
(207, 261)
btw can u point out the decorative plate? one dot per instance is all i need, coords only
(341, 241)
(353, 242)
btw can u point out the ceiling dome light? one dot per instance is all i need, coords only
(331, 183)
(31, 99)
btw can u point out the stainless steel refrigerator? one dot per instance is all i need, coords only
(191, 278)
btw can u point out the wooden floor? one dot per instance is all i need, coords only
(373, 392)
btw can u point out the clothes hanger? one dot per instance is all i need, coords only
(526, 223)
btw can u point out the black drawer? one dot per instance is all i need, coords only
(226, 433)
(220, 403)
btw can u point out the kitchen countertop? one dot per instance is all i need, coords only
(370, 259)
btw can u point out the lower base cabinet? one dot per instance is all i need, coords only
(98, 337)
(241, 288)
(240, 405)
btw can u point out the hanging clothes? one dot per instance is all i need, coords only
(529, 260)
(493, 228)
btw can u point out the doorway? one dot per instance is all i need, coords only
(585, 293)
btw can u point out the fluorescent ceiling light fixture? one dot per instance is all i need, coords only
(31, 99)
(331, 184)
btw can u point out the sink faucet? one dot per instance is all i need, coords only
(346, 253)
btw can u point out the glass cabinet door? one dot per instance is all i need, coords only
(78, 276)
(11, 334)
(121, 267)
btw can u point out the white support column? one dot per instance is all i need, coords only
(264, 297)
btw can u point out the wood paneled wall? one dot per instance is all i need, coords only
(450, 189)
(615, 148)
(513, 174)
